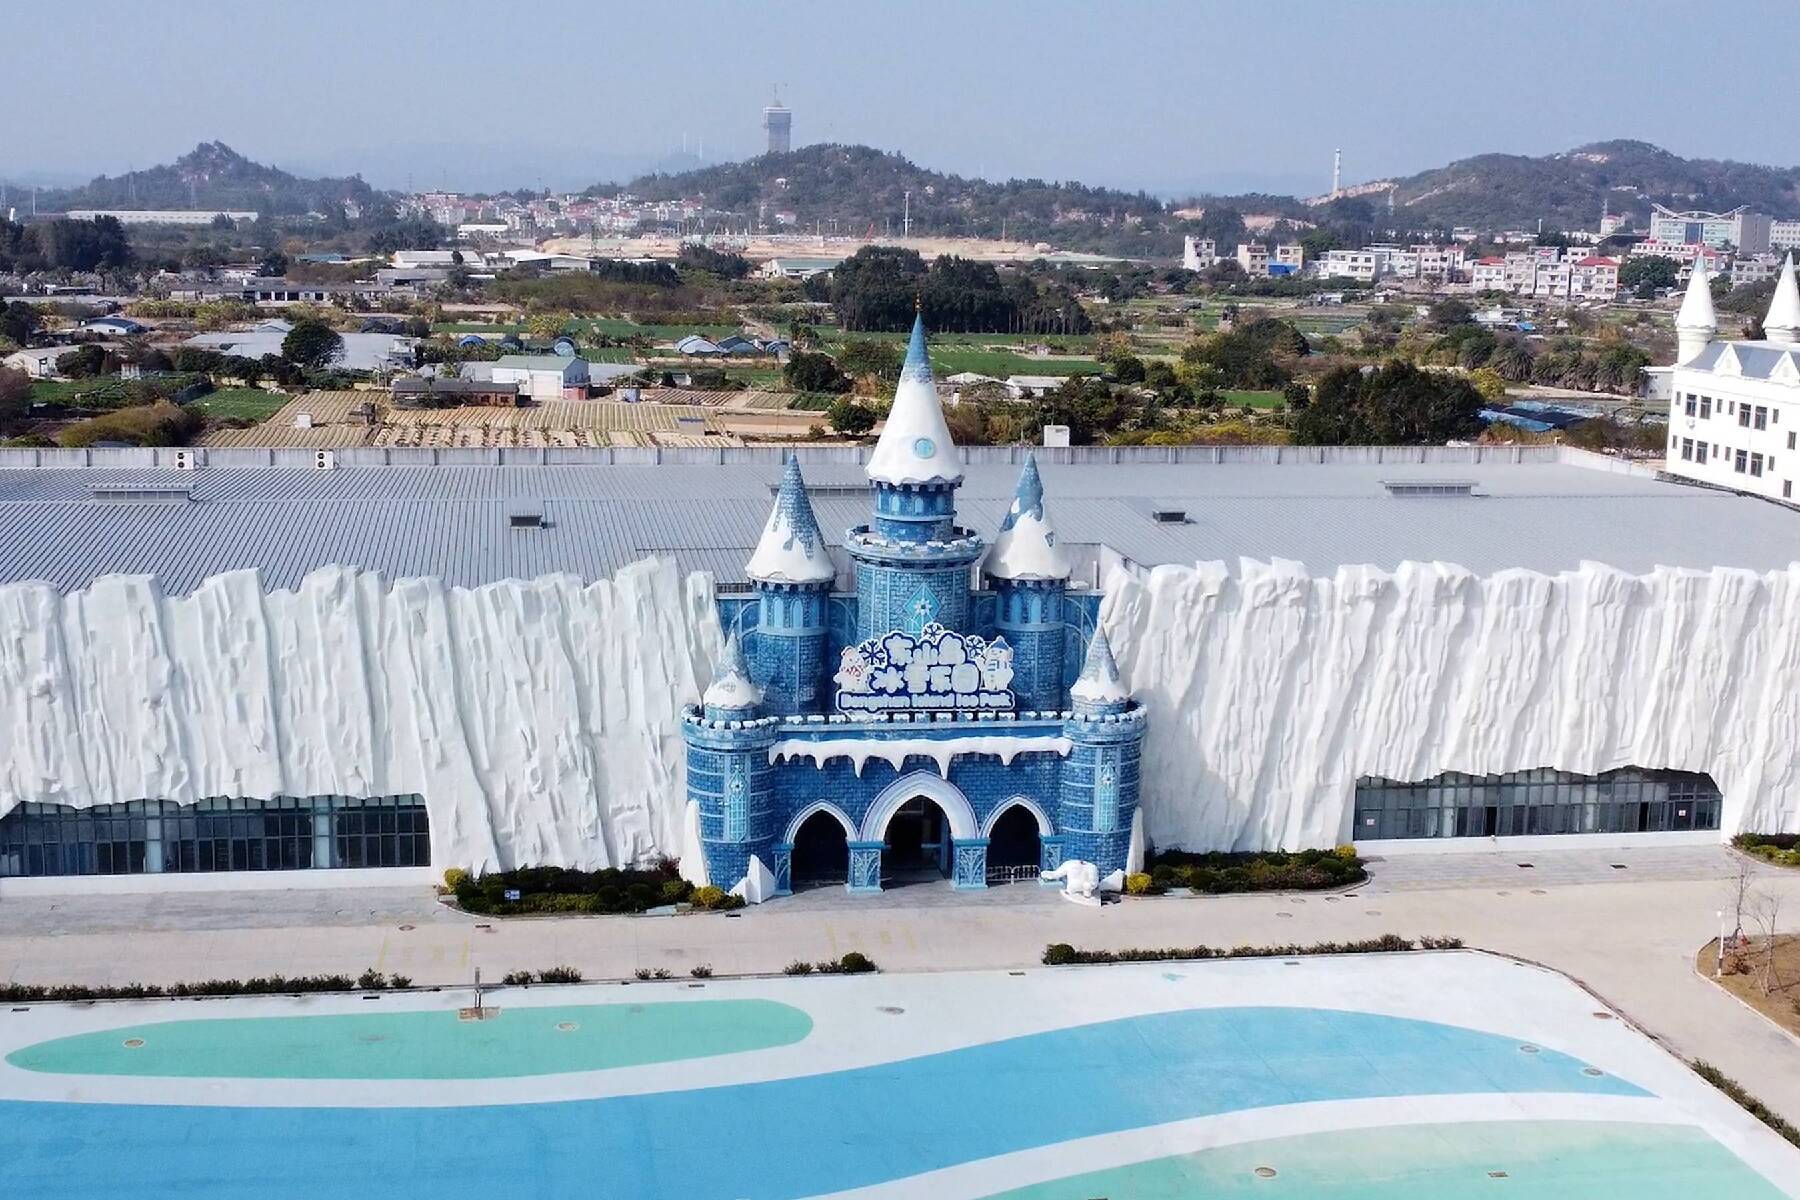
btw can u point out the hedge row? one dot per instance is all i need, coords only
(1782, 849)
(1059, 954)
(1746, 1101)
(1218, 873)
(261, 985)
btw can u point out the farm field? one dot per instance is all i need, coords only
(241, 404)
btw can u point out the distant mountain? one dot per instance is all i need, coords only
(212, 175)
(859, 188)
(1512, 191)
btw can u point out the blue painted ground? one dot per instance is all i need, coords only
(782, 1138)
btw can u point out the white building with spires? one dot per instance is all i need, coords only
(1734, 405)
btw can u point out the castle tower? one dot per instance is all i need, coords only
(1783, 321)
(1029, 573)
(912, 562)
(729, 775)
(793, 574)
(1100, 776)
(1695, 324)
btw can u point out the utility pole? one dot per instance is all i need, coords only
(906, 215)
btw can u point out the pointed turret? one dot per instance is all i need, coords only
(1695, 323)
(1099, 687)
(1026, 546)
(732, 696)
(792, 549)
(915, 445)
(1783, 322)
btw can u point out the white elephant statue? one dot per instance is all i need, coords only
(1080, 880)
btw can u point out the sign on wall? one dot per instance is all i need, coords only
(934, 670)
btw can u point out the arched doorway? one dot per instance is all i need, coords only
(919, 818)
(821, 851)
(1014, 839)
(918, 843)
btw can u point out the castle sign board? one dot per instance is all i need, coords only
(935, 670)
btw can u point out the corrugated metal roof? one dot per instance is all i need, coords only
(452, 520)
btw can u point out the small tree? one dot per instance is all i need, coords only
(15, 398)
(84, 362)
(850, 418)
(312, 343)
(809, 372)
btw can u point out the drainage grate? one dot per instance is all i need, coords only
(1527, 866)
(1620, 867)
(1264, 1172)
(1593, 1072)
(566, 1027)
(1528, 1048)
(133, 1043)
(890, 1010)
(1496, 1174)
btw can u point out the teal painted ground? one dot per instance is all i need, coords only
(776, 1138)
(1568, 1160)
(425, 1045)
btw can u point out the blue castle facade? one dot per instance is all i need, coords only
(919, 725)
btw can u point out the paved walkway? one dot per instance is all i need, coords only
(1631, 937)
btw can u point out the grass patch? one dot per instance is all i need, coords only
(1219, 873)
(1059, 954)
(1241, 397)
(238, 404)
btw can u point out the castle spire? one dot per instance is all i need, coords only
(791, 550)
(1099, 683)
(1783, 322)
(731, 691)
(1025, 547)
(915, 445)
(1695, 325)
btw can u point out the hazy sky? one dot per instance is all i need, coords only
(1168, 96)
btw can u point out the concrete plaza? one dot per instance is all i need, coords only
(1623, 923)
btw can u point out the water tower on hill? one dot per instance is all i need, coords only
(778, 120)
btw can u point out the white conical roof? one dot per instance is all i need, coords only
(1099, 682)
(1783, 322)
(792, 549)
(1025, 547)
(915, 445)
(1697, 305)
(732, 686)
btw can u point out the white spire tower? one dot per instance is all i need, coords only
(915, 446)
(1695, 324)
(1783, 322)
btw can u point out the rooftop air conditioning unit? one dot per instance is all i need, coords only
(325, 460)
(184, 460)
(303, 420)
(1056, 436)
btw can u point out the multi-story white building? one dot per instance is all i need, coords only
(1784, 235)
(1739, 229)
(1360, 265)
(1197, 254)
(1595, 277)
(1551, 280)
(1488, 274)
(1734, 406)
(1290, 254)
(1754, 268)
(1254, 258)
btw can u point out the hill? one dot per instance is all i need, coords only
(213, 175)
(858, 187)
(1512, 191)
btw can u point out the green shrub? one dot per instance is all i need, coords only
(1218, 872)
(856, 963)
(562, 890)
(261, 985)
(1062, 954)
(516, 978)
(701, 970)
(454, 877)
(559, 975)
(798, 967)
(1140, 884)
(708, 897)
(1782, 849)
(1746, 1101)
(159, 424)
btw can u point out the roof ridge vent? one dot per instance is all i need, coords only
(140, 494)
(1430, 487)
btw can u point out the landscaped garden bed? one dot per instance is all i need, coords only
(1219, 873)
(1782, 849)
(531, 891)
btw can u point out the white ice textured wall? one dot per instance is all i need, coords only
(1270, 691)
(539, 719)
